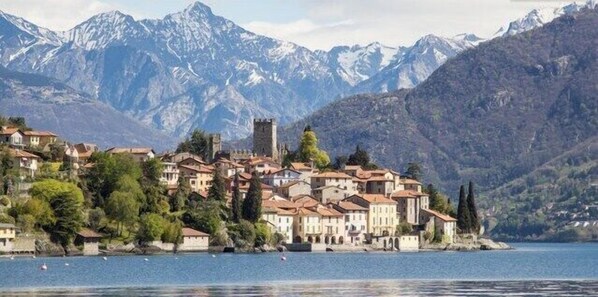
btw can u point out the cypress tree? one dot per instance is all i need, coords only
(236, 202)
(463, 220)
(217, 190)
(474, 221)
(252, 205)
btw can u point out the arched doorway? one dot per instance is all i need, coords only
(397, 243)
(390, 243)
(341, 240)
(297, 239)
(310, 239)
(333, 240)
(326, 240)
(317, 239)
(384, 243)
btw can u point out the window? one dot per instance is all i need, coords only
(346, 227)
(347, 217)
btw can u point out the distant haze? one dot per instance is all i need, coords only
(316, 24)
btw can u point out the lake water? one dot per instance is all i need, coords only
(543, 269)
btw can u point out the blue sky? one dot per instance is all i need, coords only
(316, 24)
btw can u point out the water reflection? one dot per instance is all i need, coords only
(345, 288)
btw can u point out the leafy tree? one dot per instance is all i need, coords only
(95, 217)
(263, 234)
(340, 162)
(173, 232)
(66, 201)
(153, 189)
(122, 208)
(108, 169)
(404, 228)
(41, 211)
(252, 205)
(127, 184)
(197, 144)
(151, 227)
(359, 157)
(177, 201)
(474, 222)
(236, 204)
(414, 171)
(217, 190)
(5, 162)
(463, 220)
(26, 222)
(205, 218)
(308, 150)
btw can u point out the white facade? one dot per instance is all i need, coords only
(281, 177)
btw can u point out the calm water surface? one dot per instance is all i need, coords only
(530, 270)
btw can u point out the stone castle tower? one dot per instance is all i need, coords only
(264, 138)
(214, 146)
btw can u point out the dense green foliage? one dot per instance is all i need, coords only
(197, 144)
(252, 204)
(236, 204)
(474, 221)
(463, 218)
(217, 190)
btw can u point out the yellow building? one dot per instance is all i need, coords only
(382, 214)
(7, 237)
(307, 226)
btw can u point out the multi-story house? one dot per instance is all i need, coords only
(198, 177)
(328, 194)
(25, 163)
(170, 175)
(356, 221)
(12, 136)
(444, 224)
(294, 188)
(7, 237)
(307, 226)
(39, 139)
(409, 204)
(140, 154)
(338, 179)
(333, 224)
(279, 177)
(382, 215)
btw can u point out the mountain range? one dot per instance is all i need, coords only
(193, 69)
(517, 115)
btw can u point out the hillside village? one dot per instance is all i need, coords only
(303, 207)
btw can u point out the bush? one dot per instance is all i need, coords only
(262, 234)
(151, 228)
(4, 201)
(404, 228)
(277, 238)
(26, 222)
(6, 219)
(172, 233)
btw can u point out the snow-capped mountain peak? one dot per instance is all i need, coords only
(38, 34)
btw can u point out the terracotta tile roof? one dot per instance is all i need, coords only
(441, 216)
(408, 181)
(376, 198)
(328, 212)
(406, 194)
(7, 226)
(306, 212)
(245, 176)
(193, 232)
(261, 160)
(40, 133)
(380, 178)
(88, 233)
(352, 167)
(348, 205)
(283, 204)
(198, 169)
(327, 187)
(21, 154)
(289, 184)
(130, 150)
(301, 166)
(9, 131)
(306, 201)
(282, 212)
(281, 170)
(266, 209)
(333, 175)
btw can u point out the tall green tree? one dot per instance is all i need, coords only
(308, 150)
(66, 201)
(196, 144)
(154, 190)
(108, 169)
(236, 204)
(217, 190)
(359, 157)
(122, 208)
(151, 227)
(414, 171)
(463, 220)
(179, 199)
(252, 205)
(474, 221)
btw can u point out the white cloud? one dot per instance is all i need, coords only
(397, 22)
(55, 14)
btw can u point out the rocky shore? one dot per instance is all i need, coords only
(481, 244)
